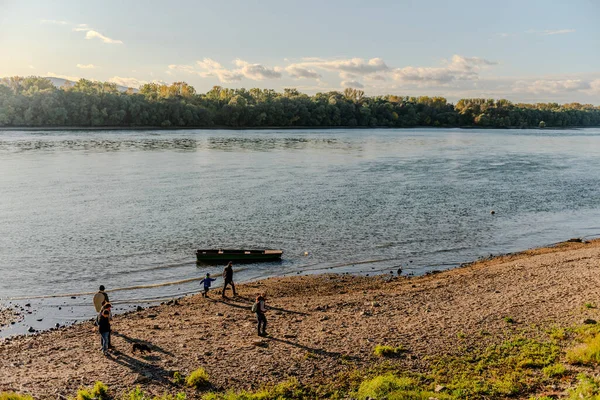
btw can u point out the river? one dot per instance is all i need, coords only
(127, 209)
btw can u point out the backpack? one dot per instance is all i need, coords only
(255, 307)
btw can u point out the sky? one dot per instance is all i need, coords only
(526, 50)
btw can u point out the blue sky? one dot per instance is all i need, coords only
(521, 50)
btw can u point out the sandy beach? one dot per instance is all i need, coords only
(319, 326)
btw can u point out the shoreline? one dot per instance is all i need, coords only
(312, 128)
(320, 326)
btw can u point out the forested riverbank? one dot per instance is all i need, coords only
(36, 102)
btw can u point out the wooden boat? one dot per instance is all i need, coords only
(217, 256)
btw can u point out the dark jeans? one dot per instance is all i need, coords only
(262, 321)
(104, 340)
(225, 287)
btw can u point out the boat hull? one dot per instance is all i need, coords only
(238, 256)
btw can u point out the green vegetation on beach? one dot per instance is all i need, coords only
(516, 367)
(36, 102)
(387, 351)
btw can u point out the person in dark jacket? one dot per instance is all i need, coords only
(228, 278)
(260, 308)
(107, 306)
(207, 283)
(104, 329)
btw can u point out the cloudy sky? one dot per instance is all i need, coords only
(526, 50)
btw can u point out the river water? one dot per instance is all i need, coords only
(127, 209)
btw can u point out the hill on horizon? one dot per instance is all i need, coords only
(59, 82)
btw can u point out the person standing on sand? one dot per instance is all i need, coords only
(259, 308)
(228, 278)
(104, 329)
(100, 298)
(108, 307)
(207, 282)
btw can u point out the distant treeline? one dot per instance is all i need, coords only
(35, 101)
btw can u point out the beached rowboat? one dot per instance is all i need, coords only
(225, 255)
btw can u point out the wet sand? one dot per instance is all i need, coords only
(10, 315)
(318, 325)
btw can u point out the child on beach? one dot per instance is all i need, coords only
(207, 282)
(259, 308)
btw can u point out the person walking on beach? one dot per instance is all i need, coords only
(100, 298)
(103, 323)
(228, 278)
(207, 282)
(259, 308)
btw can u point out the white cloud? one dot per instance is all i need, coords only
(69, 78)
(559, 32)
(552, 86)
(459, 68)
(182, 68)
(354, 66)
(82, 28)
(31, 67)
(86, 66)
(256, 72)
(300, 72)
(128, 82)
(551, 31)
(376, 77)
(347, 76)
(209, 67)
(53, 21)
(352, 84)
(93, 34)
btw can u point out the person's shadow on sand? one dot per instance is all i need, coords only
(146, 369)
(248, 303)
(321, 352)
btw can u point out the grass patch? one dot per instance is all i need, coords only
(558, 333)
(198, 379)
(554, 370)
(98, 392)
(138, 394)
(286, 390)
(178, 378)
(509, 320)
(387, 351)
(393, 387)
(507, 369)
(14, 396)
(589, 305)
(587, 353)
(587, 388)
